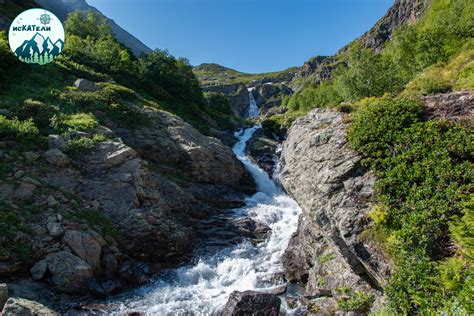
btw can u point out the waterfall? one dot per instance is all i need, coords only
(203, 287)
(253, 111)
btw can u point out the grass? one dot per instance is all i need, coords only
(209, 74)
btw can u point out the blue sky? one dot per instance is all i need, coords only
(248, 35)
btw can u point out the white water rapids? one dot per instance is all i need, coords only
(203, 288)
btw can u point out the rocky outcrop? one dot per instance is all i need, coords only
(270, 95)
(317, 69)
(237, 94)
(23, 307)
(452, 106)
(402, 12)
(252, 303)
(335, 192)
(109, 217)
(262, 149)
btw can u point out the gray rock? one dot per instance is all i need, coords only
(22, 307)
(86, 85)
(252, 303)
(25, 191)
(69, 272)
(85, 247)
(56, 157)
(54, 228)
(335, 192)
(58, 142)
(5, 113)
(52, 201)
(3, 294)
(39, 269)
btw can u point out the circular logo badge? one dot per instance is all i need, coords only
(36, 36)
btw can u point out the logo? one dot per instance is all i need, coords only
(36, 36)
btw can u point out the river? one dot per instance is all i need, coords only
(202, 288)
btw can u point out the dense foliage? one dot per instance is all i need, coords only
(436, 53)
(424, 171)
(424, 217)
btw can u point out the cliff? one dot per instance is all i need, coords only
(328, 252)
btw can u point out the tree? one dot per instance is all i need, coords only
(87, 24)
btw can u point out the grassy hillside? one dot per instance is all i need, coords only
(423, 218)
(158, 80)
(210, 74)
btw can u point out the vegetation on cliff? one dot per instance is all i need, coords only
(423, 219)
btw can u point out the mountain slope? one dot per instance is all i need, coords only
(63, 7)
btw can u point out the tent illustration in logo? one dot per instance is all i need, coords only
(39, 50)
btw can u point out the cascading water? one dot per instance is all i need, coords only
(204, 287)
(253, 111)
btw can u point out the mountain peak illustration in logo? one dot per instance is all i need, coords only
(36, 36)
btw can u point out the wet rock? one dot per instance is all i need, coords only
(135, 272)
(252, 303)
(110, 263)
(103, 288)
(39, 269)
(86, 85)
(69, 272)
(22, 307)
(85, 247)
(56, 157)
(3, 295)
(263, 150)
(250, 228)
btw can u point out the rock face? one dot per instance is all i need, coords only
(334, 191)
(270, 95)
(402, 12)
(317, 69)
(452, 106)
(237, 94)
(252, 303)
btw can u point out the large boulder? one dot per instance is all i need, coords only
(69, 272)
(335, 192)
(22, 307)
(252, 303)
(86, 85)
(85, 247)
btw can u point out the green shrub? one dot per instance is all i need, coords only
(39, 112)
(358, 301)
(84, 144)
(14, 129)
(378, 124)
(74, 122)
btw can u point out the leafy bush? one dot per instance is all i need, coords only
(17, 130)
(74, 122)
(424, 172)
(358, 301)
(378, 124)
(39, 112)
(84, 144)
(323, 95)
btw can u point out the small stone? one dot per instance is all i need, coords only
(55, 229)
(56, 157)
(31, 156)
(57, 141)
(39, 269)
(52, 201)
